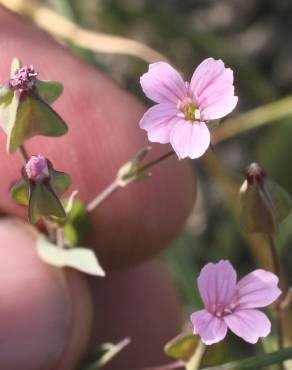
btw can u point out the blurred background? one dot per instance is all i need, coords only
(254, 37)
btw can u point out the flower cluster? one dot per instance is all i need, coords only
(24, 78)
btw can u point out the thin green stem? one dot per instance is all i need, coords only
(277, 271)
(155, 161)
(23, 154)
(115, 185)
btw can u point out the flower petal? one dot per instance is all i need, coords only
(163, 84)
(257, 289)
(208, 327)
(190, 139)
(216, 284)
(213, 90)
(158, 122)
(249, 325)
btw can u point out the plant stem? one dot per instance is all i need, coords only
(60, 237)
(277, 271)
(105, 194)
(115, 185)
(170, 366)
(156, 161)
(23, 154)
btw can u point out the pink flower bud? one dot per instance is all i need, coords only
(37, 168)
(255, 173)
(24, 78)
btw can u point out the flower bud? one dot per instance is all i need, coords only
(263, 203)
(24, 78)
(37, 168)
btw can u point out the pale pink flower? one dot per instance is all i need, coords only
(184, 108)
(233, 305)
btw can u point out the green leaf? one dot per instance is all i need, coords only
(256, 362)
(6, 95)
(81, 259)
(78, 223)
(103, 355)
(30, 116)
(49, 91)
(182, 347)
(15, 65)
(60, 181)
(43, 202)
(20, 192)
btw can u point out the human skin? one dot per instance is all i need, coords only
(52, 317)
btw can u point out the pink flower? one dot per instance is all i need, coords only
(183, 108)
(233, 305)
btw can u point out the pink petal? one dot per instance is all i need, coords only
(217, 283)
(163, 84)
(250, 325)
(213, 90)
(257, 289)
(190, 139)
(208, 327)
(158, 122)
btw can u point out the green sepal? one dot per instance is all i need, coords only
(20, 192)
(263, 206)
(43, 202)
(59, 181)
(15, 65)
(77, 223)
(30, 116)
(49, 91)
(182, 347)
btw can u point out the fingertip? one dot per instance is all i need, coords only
(41, 325)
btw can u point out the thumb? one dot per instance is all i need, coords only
(45, 313)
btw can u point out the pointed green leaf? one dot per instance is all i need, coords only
(182, 347)
(81, 259)
(103, 355)
(15, 65)
(49, 91)
(60, 182)
(43, 202)
(20, 192)
(30, 116)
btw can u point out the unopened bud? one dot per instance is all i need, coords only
(263, 203)
(24, 78)
(37, 168)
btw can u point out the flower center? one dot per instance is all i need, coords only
(188, 110)
(221, 310)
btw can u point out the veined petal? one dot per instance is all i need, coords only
(210, 328)
(257, 289)
(213, 90)
(163, 84)
(158, 122)
(216, 284)
(249, 325)
(190, 139)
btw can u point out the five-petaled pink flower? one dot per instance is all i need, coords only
(184, 108)
(233, 305)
